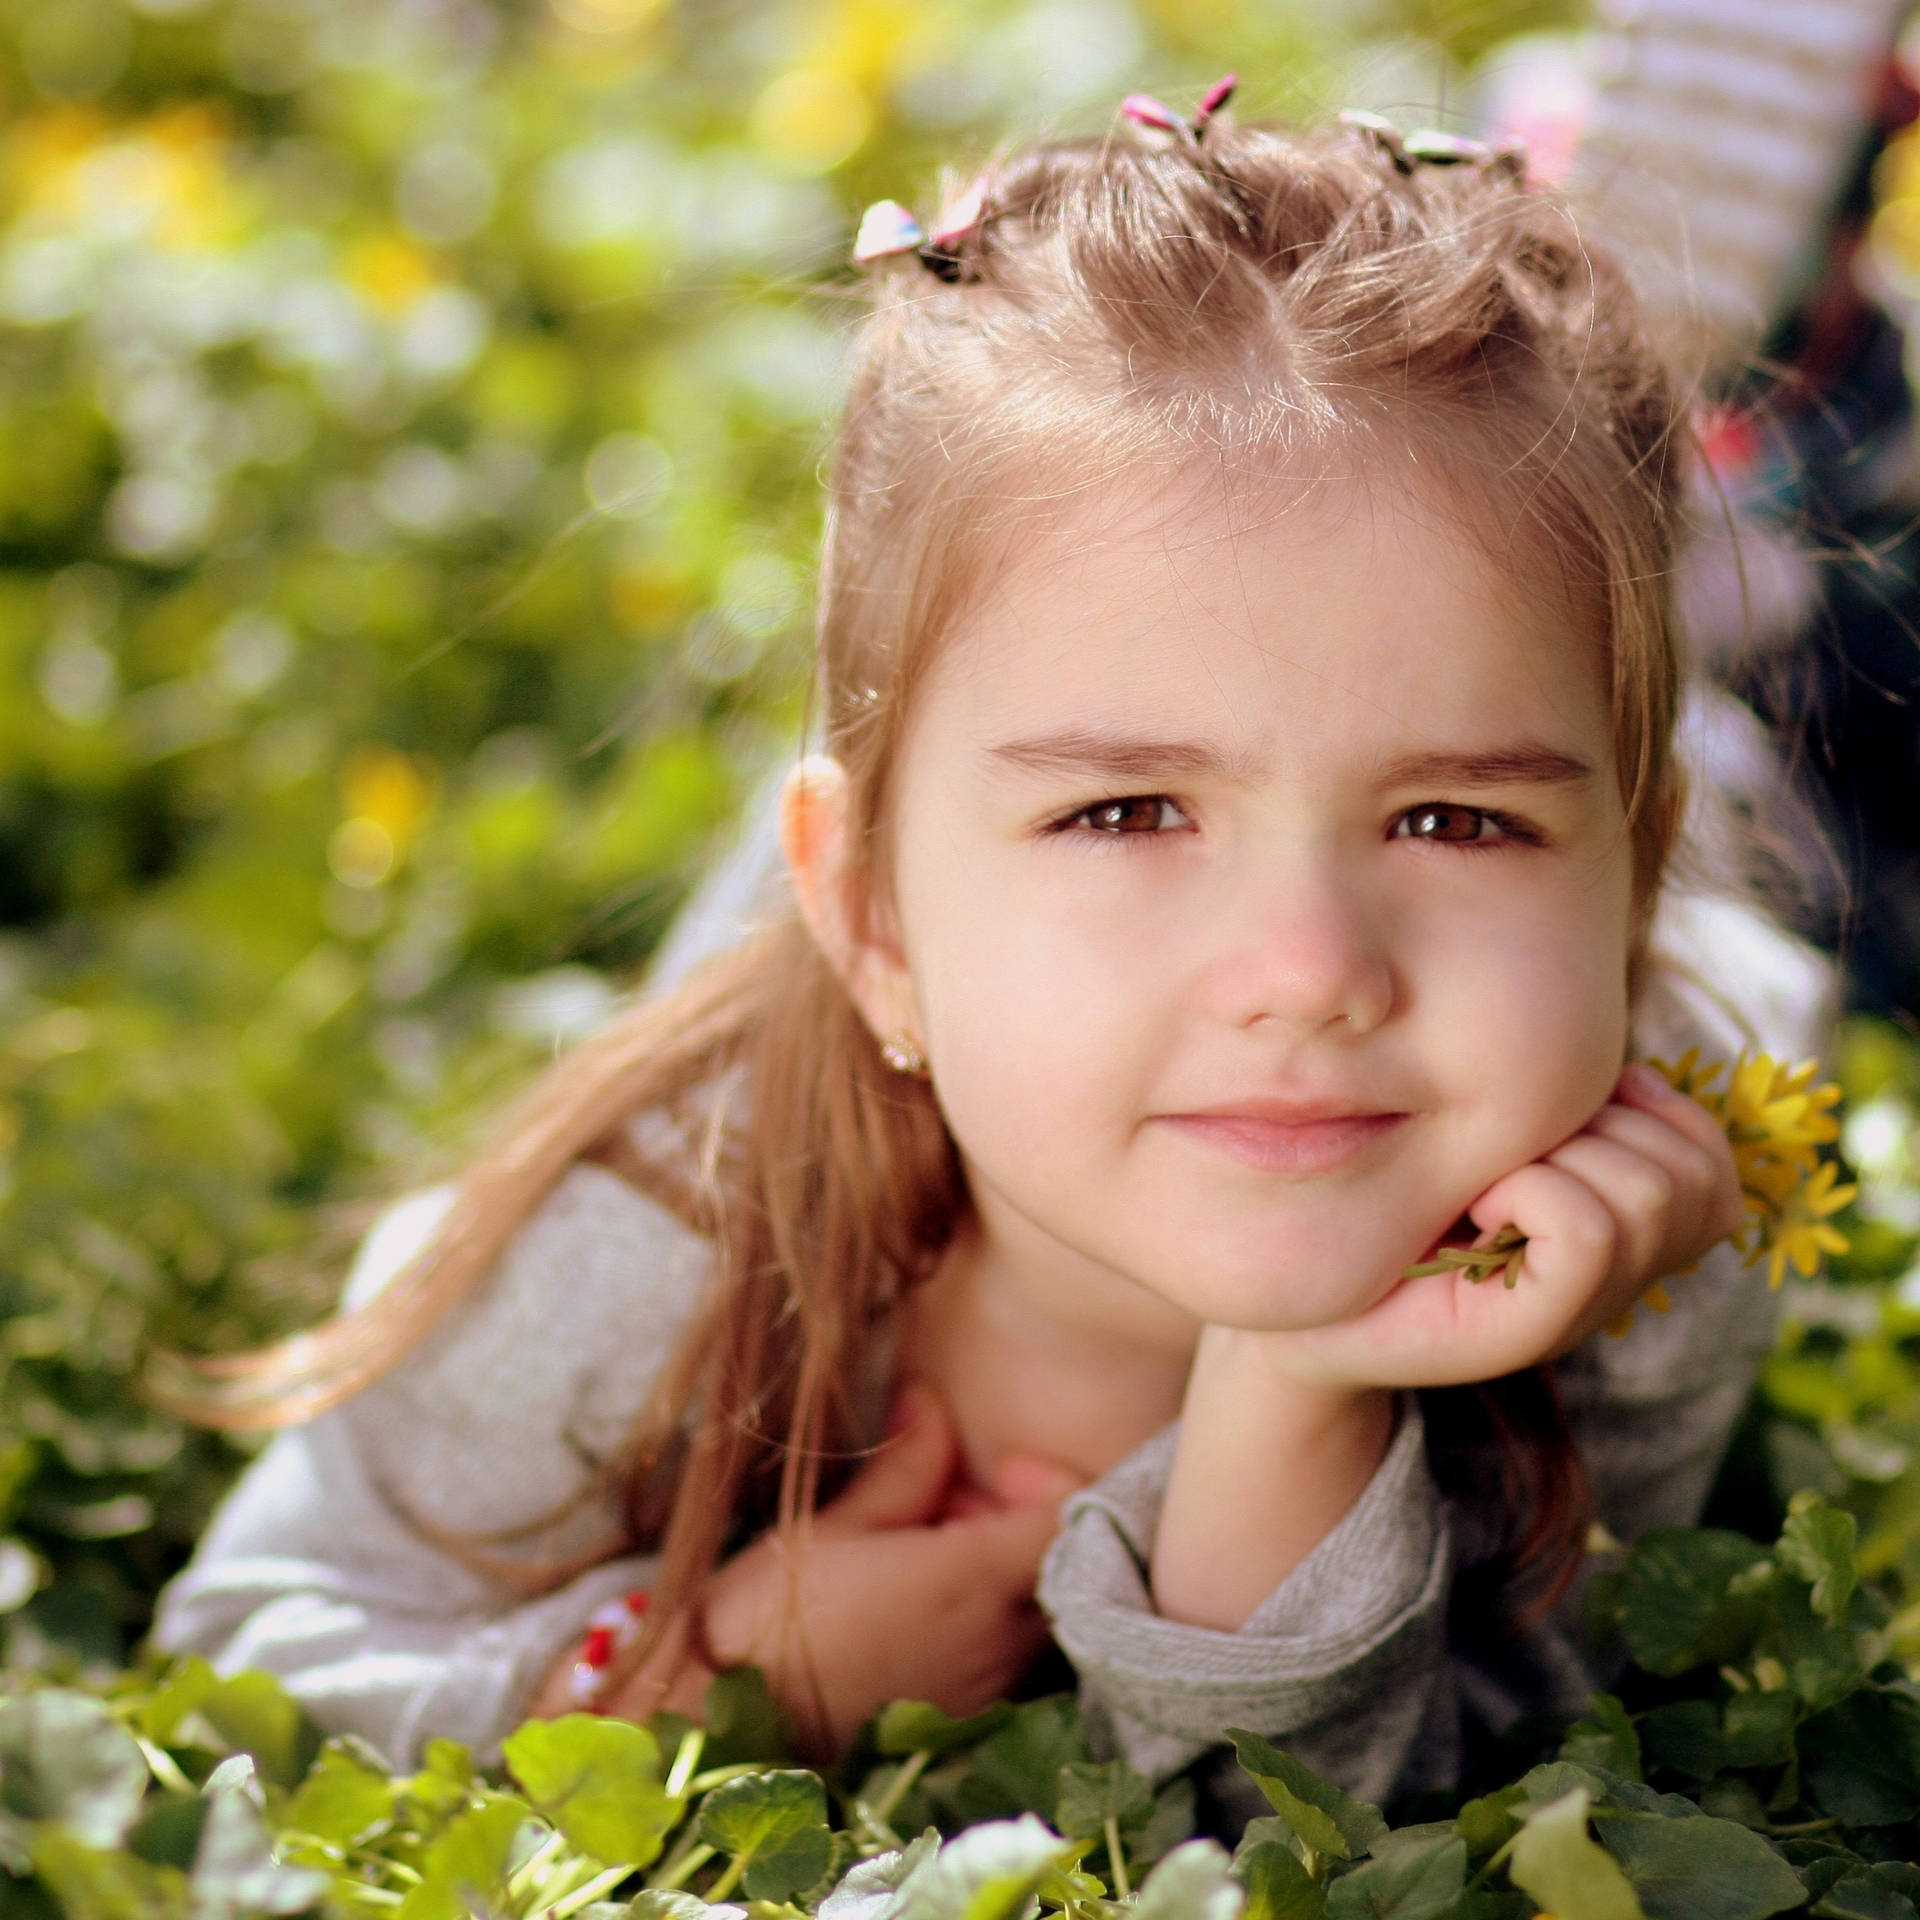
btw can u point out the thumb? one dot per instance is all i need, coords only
(905, 1483)
(1005, 1547)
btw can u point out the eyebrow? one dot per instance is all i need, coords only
(1083, 750)
(1080, 750)
(1525, 764)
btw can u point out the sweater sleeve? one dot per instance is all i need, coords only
(386, 1560)
(1345, 1661)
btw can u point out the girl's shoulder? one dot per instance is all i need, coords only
(533, 1380)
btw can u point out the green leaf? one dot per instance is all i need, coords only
(1861, 1759)
(743, 1720)
(1605, 1738)
(168, 1831)
(1411, 1876)
(343, 1800)
(1683, 1736)
(1173, 1819)
(1677, 1609)
(1278, 1886)
(235, 1873)
(1328, 1820)
(1092, 1792)
(64, 1757)
(1817, 1544)
(254, 1713)
(1699, 1868)
(466, 1862)
(598, 1781)
(90, 1883)
(1555, 1861)
(989, 1872)
(1861, 1895)
(442, 1786)
(1756, 1729)
(867, 1889)
(1192, 1883)
(664, 1903)
(915, 1726)
(1017, 1770)
(187, 1682)
(777, 1822)
(1490, 1822)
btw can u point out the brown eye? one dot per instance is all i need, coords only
(1449, 825)
(1135, 814)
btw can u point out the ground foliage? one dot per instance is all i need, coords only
(1760, 1756)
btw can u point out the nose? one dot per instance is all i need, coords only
(1307, 950)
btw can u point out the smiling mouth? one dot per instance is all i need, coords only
(1289, 1146)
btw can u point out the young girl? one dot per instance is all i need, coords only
(1235, 868)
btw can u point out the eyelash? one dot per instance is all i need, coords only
(1512, 829)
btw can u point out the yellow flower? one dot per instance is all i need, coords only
(1777, 1120)
(1800, 1233)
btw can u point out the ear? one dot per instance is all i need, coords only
(817, 836)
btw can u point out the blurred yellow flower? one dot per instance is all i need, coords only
(810, 119)
(1799, 1232)
(387, 789)
(163, 180)
(389, 270)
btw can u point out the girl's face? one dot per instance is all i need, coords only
(1262, 892)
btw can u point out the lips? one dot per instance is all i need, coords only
(1288, 1137)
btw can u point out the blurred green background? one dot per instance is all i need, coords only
(409, 421)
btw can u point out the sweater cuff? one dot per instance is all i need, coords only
(1365, 1606)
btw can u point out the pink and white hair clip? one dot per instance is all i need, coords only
(1146, 111)
(886, 228)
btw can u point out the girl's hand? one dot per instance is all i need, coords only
(1641, 1191)
(906, 1588)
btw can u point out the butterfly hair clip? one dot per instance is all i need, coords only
(1144, 110)
(887, 229)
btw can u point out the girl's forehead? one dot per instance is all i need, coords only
(1337, 599)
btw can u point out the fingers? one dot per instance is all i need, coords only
(906, 1482)
(1032, 1480)
(1644, 1089)
(1004, 1548)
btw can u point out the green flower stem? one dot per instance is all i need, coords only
(164, 1768)
(1117, 1860)
(585, 1896)
(688, 1858)
(535, 1864)
(719, 1776)
(730, 1878)
(897, 1788)
(692, 1744)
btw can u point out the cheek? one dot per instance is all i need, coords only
(1028, 1013)
(1540, 1014)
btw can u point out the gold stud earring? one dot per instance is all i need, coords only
(902, 1053)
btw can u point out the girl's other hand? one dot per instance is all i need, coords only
(909, 1586)
(1643, 1190)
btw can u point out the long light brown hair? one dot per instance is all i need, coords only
(1128, 303)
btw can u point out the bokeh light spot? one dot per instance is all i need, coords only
(811, 119)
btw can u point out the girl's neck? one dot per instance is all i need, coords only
(1031, 1362)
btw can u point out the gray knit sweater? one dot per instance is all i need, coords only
(315, 1570)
